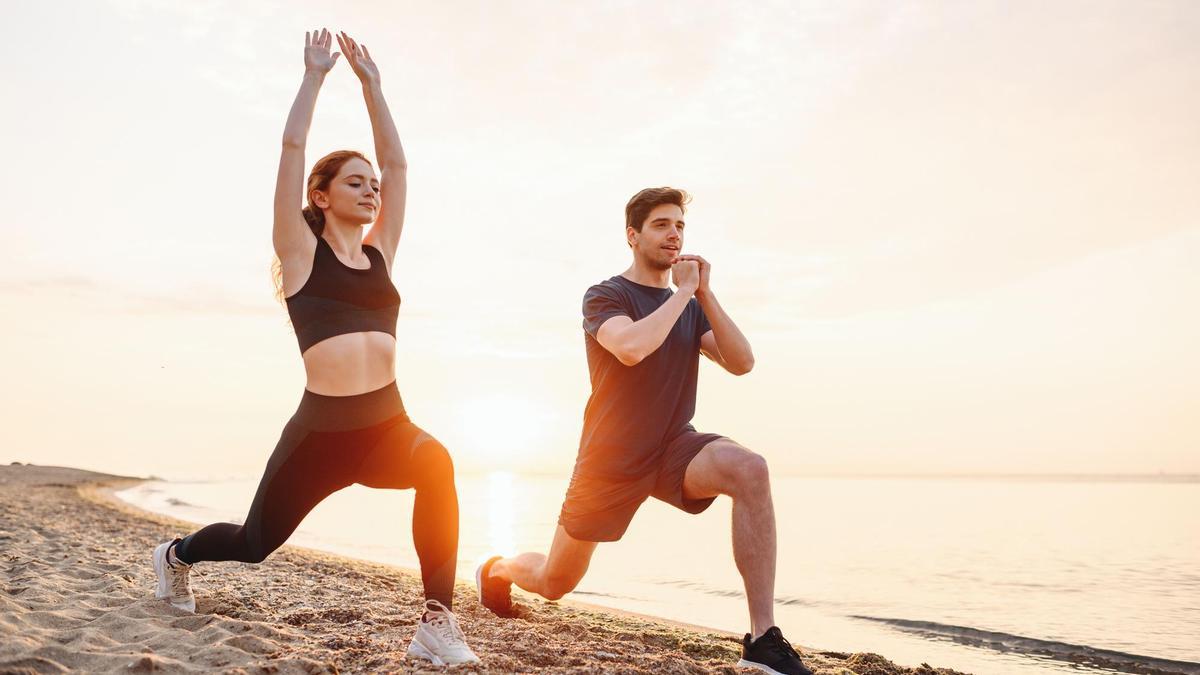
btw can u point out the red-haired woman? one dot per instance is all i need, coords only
(350, 426)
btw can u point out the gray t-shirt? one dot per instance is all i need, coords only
(635, 410)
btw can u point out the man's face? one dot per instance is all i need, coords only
(661, 238)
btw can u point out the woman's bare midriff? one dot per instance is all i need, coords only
(354, 363)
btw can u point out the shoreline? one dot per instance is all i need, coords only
(78, 594)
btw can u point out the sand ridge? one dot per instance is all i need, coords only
(77, 593)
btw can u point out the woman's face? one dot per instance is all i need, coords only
(353, 195)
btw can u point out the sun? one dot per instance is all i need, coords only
(511, 432)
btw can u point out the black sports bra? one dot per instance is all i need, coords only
(338, 299)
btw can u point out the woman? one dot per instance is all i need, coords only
(350, 426)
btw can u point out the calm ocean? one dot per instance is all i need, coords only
(987, 575)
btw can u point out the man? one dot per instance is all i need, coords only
(643, 345)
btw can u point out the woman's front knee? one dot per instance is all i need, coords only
(432, 464)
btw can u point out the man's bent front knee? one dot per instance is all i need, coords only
(746, 473)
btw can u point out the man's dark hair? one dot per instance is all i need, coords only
(644, 202)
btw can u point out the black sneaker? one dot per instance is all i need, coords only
(494, 594)
(771, 653)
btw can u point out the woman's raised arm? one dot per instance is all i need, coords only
(393, 167)
(291, 235)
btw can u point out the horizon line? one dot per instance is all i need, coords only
(1159, 476)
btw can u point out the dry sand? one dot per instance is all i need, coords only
(77, 593)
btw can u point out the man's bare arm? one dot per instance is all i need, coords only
(724, 344)
(631, 341)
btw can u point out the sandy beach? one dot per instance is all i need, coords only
(78, 594)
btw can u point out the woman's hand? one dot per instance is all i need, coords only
(316, 52)
(359, 58)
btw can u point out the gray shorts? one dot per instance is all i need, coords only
(601, 508)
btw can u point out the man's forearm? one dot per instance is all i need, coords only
(733, 346)
(641, 338)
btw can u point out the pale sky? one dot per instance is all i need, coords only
(962, 237)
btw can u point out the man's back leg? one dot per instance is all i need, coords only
(550, 576)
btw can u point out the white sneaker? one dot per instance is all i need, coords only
(173, 579)
(439, 639)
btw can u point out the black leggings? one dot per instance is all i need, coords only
(332, 442)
